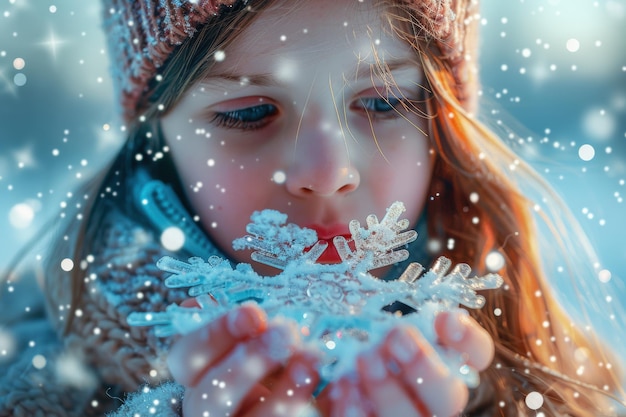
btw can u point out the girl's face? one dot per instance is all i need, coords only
(297, 116)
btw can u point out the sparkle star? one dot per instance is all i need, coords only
(52, 43)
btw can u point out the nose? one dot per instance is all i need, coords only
(322, 165)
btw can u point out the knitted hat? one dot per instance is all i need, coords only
(142, 34)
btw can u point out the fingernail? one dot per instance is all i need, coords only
(456, 325)
(308, 411)
(277, 342)
(245, 322)
(352, 400)
(374, 366)
(354, 403)
(354, 411)
(403, 346)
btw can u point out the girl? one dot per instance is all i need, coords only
(326, 111)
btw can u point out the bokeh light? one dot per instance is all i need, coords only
(534, 400)
(173, 238)
(21, 216)
(586, 152)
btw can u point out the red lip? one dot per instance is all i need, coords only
(190, 303)
(327, 234)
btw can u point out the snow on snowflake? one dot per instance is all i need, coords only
(339, 308)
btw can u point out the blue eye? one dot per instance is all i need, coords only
(379, 104)
(249, 118)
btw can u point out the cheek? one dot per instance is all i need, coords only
(223, 205)
(406, 174)
(228, 187)
(232, 189)
(217, 173)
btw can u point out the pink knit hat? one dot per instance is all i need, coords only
(142, 34)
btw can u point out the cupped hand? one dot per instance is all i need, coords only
(405, 376)
(242, 366)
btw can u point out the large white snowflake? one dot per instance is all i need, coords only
(339, 308)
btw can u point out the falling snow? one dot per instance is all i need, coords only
(534, 400)
(563, 80)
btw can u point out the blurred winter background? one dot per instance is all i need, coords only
(557, 66)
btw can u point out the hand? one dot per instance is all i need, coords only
(239, 365)
(404, 376)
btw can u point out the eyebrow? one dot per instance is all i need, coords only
(367, 69)
(362, 70)
(262, 80)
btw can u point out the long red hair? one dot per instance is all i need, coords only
(537, 345)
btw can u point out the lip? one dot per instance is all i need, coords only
(327, 234)
(190, 303)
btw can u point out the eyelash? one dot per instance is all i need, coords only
(370, 105)
(247, 119)
(257, 117)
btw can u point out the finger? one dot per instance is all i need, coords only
(194, 353)
(457, 330)
(344, 397)
(428, 381)
(385, 392)
(223, 388)
(293, 391)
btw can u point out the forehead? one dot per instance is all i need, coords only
(315, 32)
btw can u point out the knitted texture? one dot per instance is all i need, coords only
(29, 392)
(142, 34)
(123, 279)
(88, 370)
(116, 358)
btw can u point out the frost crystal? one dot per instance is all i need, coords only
(339, 308)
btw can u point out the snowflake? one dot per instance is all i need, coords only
(339, 308)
